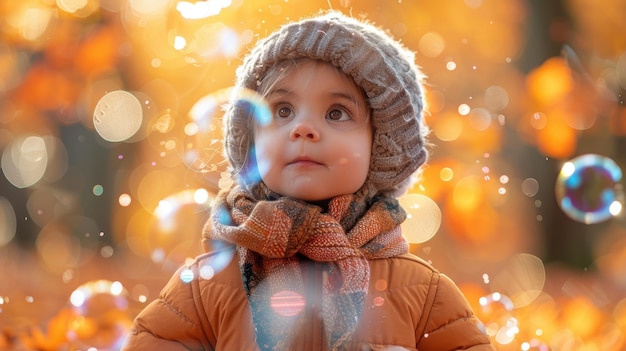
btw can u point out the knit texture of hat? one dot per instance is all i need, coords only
(381, 66)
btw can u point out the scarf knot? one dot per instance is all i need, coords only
(272, 233)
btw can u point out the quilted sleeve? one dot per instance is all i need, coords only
(170, 322)
(450, 323)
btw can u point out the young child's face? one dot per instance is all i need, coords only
(319, 142)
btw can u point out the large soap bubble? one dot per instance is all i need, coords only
(588, 190)
(204, 132)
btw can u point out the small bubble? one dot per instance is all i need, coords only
(432, 44)
(530, 187)
(124, 200)
(158, 255)
(587, 188)
(379, 301)
(170, 145)
(186, 275)
(191, 129)
(140, 293)
(68, 275)
(98, 190)
(501, 119)
(107, 251)
(180, 42)
(207, 272)
(538, 120)
(496, 98)
(446, 174)
(464, 109)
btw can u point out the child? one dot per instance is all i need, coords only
(307, 252)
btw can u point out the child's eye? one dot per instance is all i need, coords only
(338, 115)
(284, 112)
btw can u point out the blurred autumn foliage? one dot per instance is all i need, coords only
(91, 227)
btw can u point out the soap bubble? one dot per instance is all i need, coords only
(501, 325)
(204, 132)
(587, 188)
(100, 315)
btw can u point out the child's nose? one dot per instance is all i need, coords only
(304, 130)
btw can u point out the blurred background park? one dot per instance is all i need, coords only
(110, 156)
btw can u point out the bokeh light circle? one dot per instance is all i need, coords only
(587, 188)
(25, 160)
(118, 116)
(423, 218)
(521, 279)
(8, 222)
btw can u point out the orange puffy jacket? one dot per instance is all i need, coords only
(409, 306)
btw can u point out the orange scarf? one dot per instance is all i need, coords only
(270, 230)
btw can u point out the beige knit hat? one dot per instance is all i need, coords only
(381, 66)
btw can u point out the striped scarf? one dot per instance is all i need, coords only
(272, 233)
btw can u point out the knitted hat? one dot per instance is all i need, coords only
(381, 66)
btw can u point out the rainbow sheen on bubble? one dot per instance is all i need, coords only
(204, 132)
(287, 303)
(587, 188)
